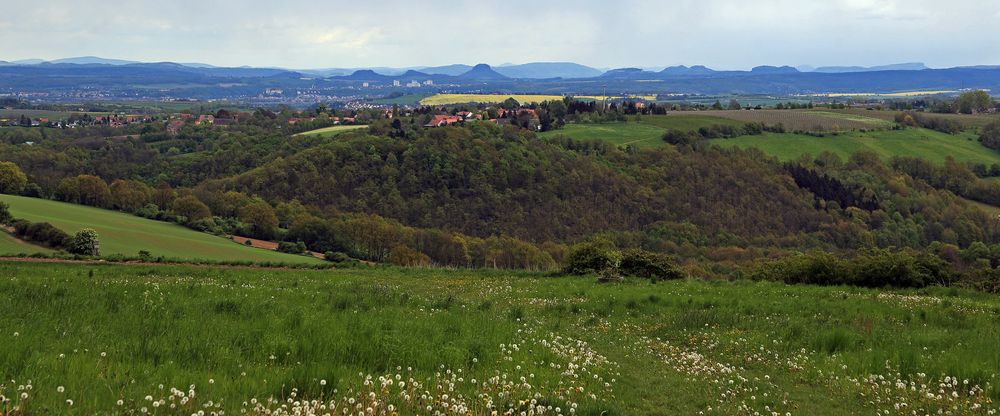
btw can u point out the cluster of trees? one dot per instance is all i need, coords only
(482, 195)
(957, 177)
(831, 189)
(989, 136)
(875, 268)
(601, 256)
(917, 119)
(717, 131)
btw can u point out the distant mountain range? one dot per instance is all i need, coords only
(130, 78)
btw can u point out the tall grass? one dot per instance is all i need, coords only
(113, 332)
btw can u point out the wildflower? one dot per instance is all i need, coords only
(69, 402)
(322, 382)
(60, 389)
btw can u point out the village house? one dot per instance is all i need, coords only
(205, 119)
(443, 120)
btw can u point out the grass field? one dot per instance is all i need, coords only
(127, 234)
(922, 143)
(638, 134)
(11, 245)
(448, 99)
(418, 340)
(50, 114)
(967, 120)
(804, 120)
(648, 132)
(329, 132)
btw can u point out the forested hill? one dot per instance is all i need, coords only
(485, 181)
(486, 195)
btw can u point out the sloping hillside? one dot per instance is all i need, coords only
(126, 234)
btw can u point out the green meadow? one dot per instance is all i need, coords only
(923, 143)
(11, 245)
(329, 132)
(118, 339)
(927, 144)
(126, 234)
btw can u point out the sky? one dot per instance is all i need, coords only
(722, 34)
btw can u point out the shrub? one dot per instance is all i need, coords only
(401, 255)
(875, 269)
(5, 215)
(591, 257)
(336, 257)
(653, 266)
(291, 248)
(42, 233)
(85, 243)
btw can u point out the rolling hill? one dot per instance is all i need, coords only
(126, 234)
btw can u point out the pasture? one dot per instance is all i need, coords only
(328, 132)
(126, 234)
(926, 144)
(116, 339)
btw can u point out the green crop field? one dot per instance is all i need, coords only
(329, 132)
(116, 339)
(127, 234)
(926, 144)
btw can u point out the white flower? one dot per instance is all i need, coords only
(69, 402)
(211, 381)
(322, 382)
(60, 389)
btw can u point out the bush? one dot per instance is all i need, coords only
(878, 268)
(42, 233)
(291, 248)
(591, 257)
(85, 243)
(653, 266)
(5, 215)
(336, 257)
(401, 255)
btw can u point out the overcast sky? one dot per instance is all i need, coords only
(723, 34)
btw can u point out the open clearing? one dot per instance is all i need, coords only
(927, 144)
(328, 132)
(127, 234)
(97, 334)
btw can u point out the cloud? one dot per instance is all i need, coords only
(343, 37)
(345, 33)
